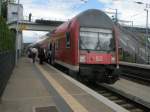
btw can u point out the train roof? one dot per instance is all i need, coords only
(94, 18)
(90, 18)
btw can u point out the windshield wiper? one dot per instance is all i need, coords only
(98, 45)
(84, 46)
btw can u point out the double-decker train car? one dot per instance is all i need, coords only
(87, 45)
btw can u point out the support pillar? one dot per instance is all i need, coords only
(19, 44)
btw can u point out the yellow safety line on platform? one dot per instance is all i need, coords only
(70, 100)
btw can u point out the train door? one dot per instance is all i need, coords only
(53, 53)
(49, 53)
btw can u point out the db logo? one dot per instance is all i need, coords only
(99, 58)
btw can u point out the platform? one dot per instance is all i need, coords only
(144, 66)
(33, 87)
(132, 90)
(25, 91)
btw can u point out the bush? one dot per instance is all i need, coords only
(7, 37)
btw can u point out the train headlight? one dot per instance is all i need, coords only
(113, 59)
(82, 58)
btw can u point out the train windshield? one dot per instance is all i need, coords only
(96, 39)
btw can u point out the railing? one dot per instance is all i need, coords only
(7, 53)
(7, 63)
(33, 19)
(136, 26)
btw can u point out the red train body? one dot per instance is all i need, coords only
(86, 45)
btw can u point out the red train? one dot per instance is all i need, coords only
(87, 46)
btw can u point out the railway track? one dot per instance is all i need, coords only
(118, 99)
(136, 72)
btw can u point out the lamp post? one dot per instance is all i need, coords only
(146, 40)
(17, 32)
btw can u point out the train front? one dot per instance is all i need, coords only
(98, 55)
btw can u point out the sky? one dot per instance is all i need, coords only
(128, 10)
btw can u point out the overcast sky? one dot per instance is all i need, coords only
(65, 9)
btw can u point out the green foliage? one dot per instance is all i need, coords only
(7, 37)
(125, 56)
(4, 10)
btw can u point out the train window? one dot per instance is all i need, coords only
(97, 40)
(68, 40)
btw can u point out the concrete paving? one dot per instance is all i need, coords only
(24, 90)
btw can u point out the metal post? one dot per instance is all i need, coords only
(146, 39)
(17, 33)
(132, 25)
(147, 35)
(116, 16)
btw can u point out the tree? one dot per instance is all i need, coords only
(7, 37)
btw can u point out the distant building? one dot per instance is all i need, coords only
(9, 10)
(9, 1)
(12, 13)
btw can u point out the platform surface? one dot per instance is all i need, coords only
(133, 90)
(91, 101)
(33, 86)
(25, 91)
(86, 100)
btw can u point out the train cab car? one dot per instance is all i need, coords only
(87, 45)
